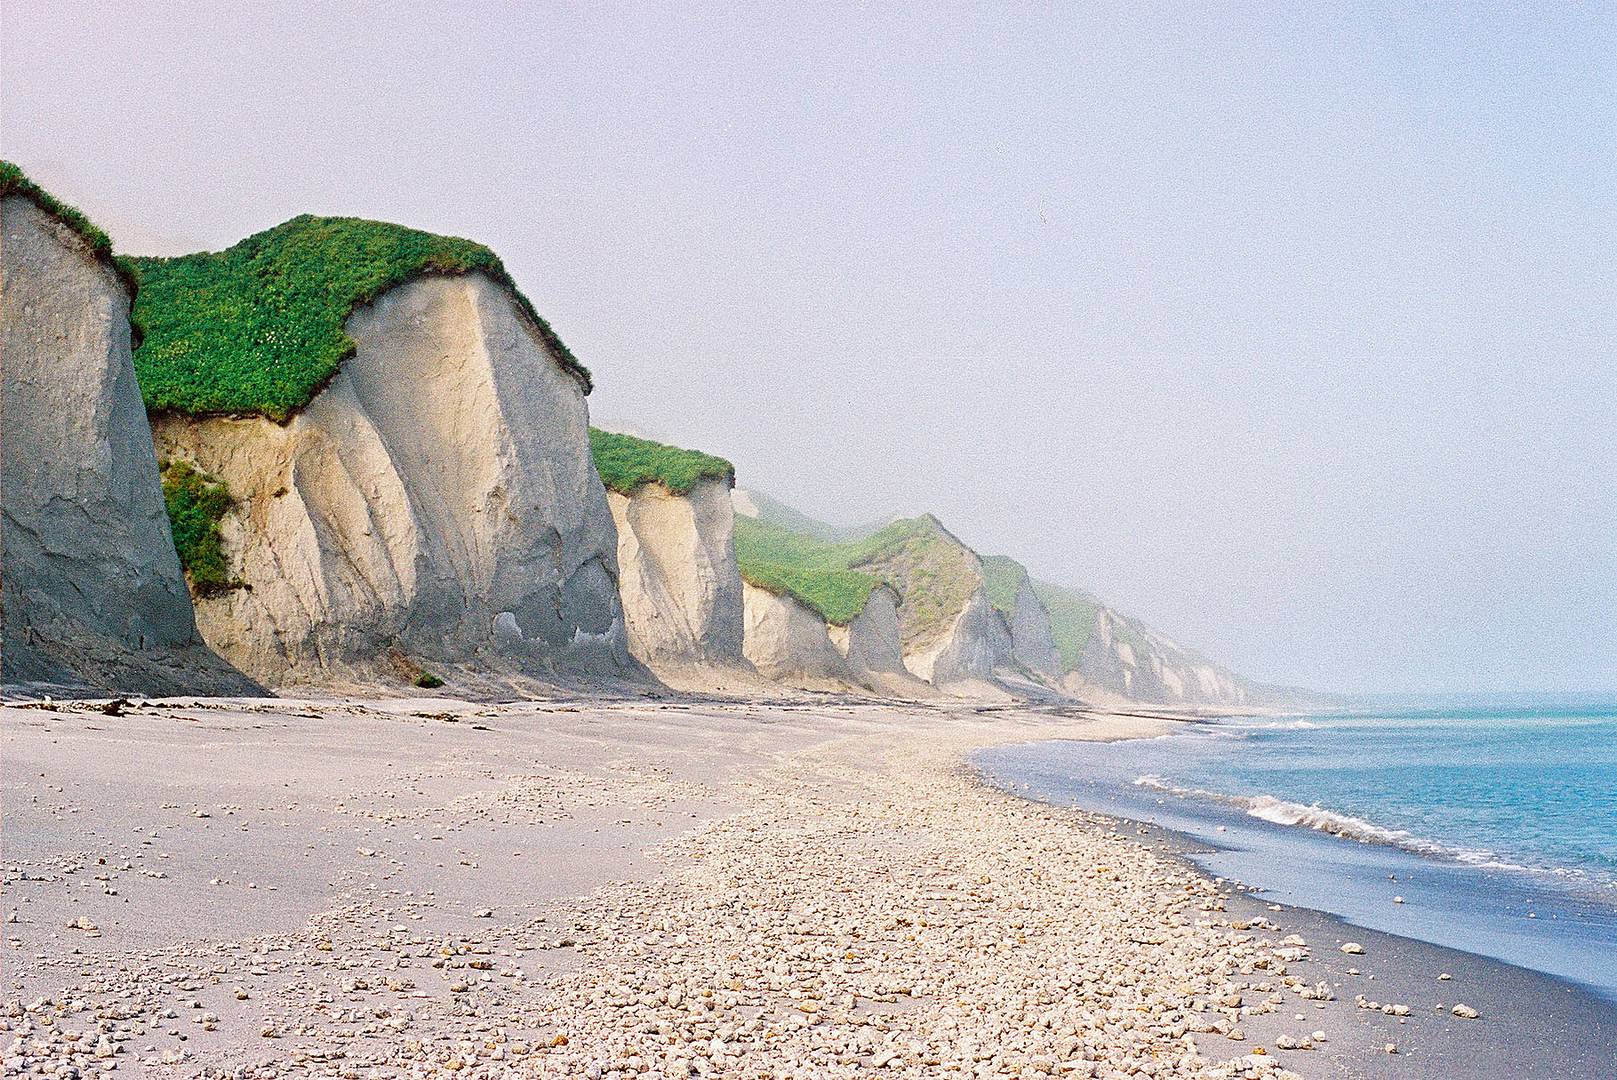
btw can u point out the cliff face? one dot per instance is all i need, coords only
(435, 502)
(1027, 622)
(1032, 643)
(786, 640)
(969, 647)
(678, 579)
(948, 626)
(1124, 657)
(872, 642)
(1105, 654)
(91, 588)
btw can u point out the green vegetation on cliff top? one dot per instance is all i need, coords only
(13, 181)
(931, 571)
(259, 327)
(627, 464)
(196, 504)
(813, 571)
(1072, 619)
(1003, 576)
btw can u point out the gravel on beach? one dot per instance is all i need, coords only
(390, 889)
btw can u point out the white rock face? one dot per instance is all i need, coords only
(1033, 646)
(871, 642)
(969, 650)
(678, 580)
(1126, 659)
(92, 591)
(742, 503)
(787, 640)
(437, 500)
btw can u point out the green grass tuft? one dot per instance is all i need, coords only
(811, 570)
(13, 181)
(1003, 577)
(428, 681)
(627, 464)
(1072, 619)
(259, 328)
(196, 504)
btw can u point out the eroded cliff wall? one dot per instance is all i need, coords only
(435, 504)
(787, 640)
(92, 592)
(680, 587)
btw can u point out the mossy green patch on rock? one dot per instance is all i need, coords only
(196, 504)
(811, 570)
(13, 181)
(1072, 619)
(1003, 576)
(627, 464)
(259, 327)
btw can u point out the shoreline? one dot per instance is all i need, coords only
(1520, 1006)
(652, 888)
(1269, 837)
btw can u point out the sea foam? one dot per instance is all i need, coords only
(1309, 816)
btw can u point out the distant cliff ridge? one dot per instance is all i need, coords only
(1104, 652)
(968, 619)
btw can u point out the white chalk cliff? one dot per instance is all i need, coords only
(92, 592)
(872, 642)
(435, 504)
(1125, 658)
(680, 587)
(787, 640)
(1032, 642)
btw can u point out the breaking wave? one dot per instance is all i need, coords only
(1275, 725)
(1282, 812)
(1319, 819)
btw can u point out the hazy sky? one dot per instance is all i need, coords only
(1289, 330)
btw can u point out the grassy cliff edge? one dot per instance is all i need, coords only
(627, 464)
(259, 328)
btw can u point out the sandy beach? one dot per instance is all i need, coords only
(799, 888)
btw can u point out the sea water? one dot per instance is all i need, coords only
(1490, 828)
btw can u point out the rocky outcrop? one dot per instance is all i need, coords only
(788, 640)
(1125, 658)
(969, 647)
(435, 505)
(91, 589)
(872, 642)
(680, 587)
(950, 632)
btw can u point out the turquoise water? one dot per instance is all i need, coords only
(1495, 827)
